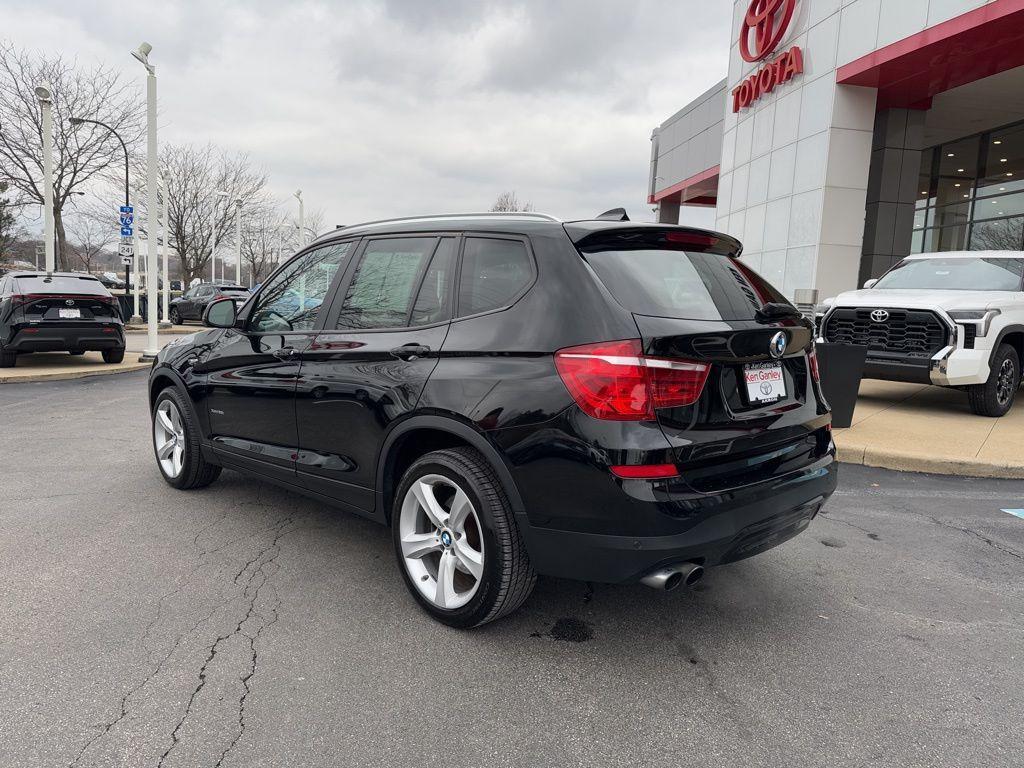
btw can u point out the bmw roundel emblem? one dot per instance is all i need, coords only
(778, 344)
(446, 538)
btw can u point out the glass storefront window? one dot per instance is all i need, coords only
(1002, 162)
(999, 235)
(970, 194)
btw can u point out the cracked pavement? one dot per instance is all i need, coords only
(241, 625)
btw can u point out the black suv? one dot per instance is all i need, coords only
(58, 312)
(193, 303)
(514, 396)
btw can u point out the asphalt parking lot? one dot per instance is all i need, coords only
(244, 626)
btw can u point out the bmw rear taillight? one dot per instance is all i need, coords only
(812, 363)
(615, 381)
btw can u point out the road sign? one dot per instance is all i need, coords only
(126, 231)
(127, 219)
(127, 250)
(126, 260)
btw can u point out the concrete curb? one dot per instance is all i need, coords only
(903, 461)
(79, 374)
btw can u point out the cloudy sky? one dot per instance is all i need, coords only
(379, 108)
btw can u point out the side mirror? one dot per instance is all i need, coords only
(870, 283)
(220, 314)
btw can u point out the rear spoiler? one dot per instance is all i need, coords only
(611, 235)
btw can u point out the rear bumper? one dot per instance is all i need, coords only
(57, 338)
(729, 526)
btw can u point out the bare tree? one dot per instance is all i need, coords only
(194, 211)
(507, 202)
(81, 153)
(8, 224)
(91, 235)
(263, 231)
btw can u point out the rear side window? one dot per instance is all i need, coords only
(663, 282)
(433, 302)
(381, 292)
(61, 284)
(494, 273)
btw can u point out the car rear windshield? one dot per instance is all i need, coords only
(232, 289)
(664, 282)
(60, 284)
(955, 274)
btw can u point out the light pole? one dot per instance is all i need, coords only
(46, 106)
(238, 241)
(302, 218)
(76, 121)
(152, 214)
(166, 293)
(280, 243)
(213, 249)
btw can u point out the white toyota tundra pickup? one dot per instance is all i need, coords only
(951, 319)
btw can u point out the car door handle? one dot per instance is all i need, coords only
(409, 352)
(285, 353)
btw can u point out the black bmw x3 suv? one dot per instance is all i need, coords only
(514, 395)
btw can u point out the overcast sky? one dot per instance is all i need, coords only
(379, 108)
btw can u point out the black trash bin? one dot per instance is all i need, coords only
(842, 366)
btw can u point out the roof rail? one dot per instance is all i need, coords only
(432, 217)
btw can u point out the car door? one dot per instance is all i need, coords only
(369, 365)
(251, 371)
(203, 296)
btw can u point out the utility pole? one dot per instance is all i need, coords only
(46, 106)
(152, 212)
(302, 219)
(166, 293)
(238, 241)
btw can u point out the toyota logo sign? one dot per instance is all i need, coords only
(879, 316)
(768, 20)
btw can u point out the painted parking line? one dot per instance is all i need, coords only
(1015, 512)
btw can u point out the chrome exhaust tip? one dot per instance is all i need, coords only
(672, 576)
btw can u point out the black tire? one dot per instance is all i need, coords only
(995, 397)
(508, 576)
(8, 359)
(113, 355)
(196, 472)
(175, 316)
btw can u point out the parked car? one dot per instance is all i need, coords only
(110, 280)
(514, 396)
(949, 319)
(192, 304)
(61, 311)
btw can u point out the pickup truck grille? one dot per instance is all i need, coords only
(910, 332)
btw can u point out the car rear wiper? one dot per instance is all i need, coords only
(776, 311)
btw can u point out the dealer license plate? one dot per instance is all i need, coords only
(765, 382)
(67, 314)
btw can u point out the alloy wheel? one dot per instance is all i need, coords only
(169, 438)
(441, 541)
(1005, 382)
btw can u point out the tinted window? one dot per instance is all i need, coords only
(433, 302)
(691, 286)
(955, 274)
(382, 289)
(61, 284)
(494, 272)
(291, 301)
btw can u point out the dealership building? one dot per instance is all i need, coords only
(851, 133)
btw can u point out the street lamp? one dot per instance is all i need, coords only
(77, 121)
(302, 218)
(45, 97)
(238, 242)
(213, 249)
(152, 284)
